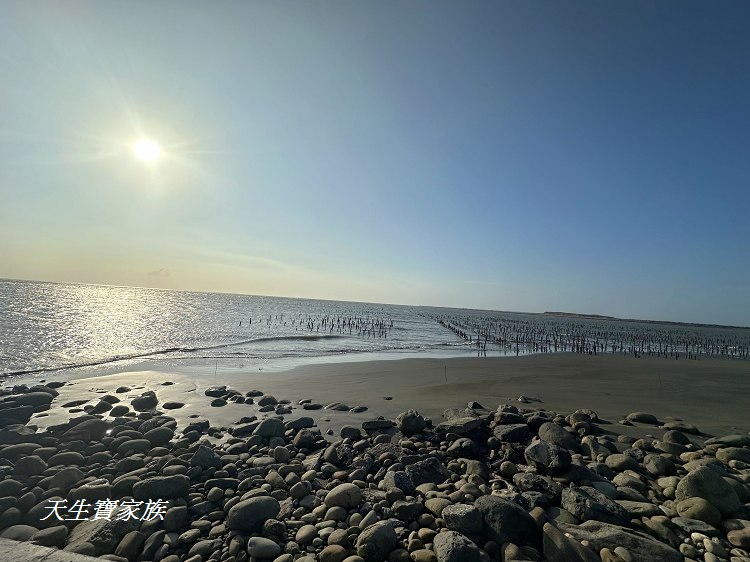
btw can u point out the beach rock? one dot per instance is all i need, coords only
(642, 547)
(163, 487)
(463, 518)
(305, 440)
(506, 521)
(400, 480)
(159, 436)
(130, 545)
(547, 457)
(263, 548)
(34, 399)
(339, 454)
(559, 548)
(462, 425)
(451, 546)
(407, 510)
(728, 454)
(93, 429)
(622, 462)
(430, 470)
(410, 422)
(51, 536)
(376, 542)
(16, 433)
(513, 433)
(147, 401)
(587, 503)
(529, 482)
(19, 532)
(249, 515)
(700, 509)
(553, 433)
(205, 457)
(305, 535)
(31, 465)
(377, 425)
(463, 448)
(705, 482)
(271, 427)
(740, 538)
(350, 432)
(344, 495)
(641, 417)
(681, 426)
(103, 534)
(172, 405)
(67, 458)
(658, 465)
(100, 407)
(99, 489)
(688, 526)
(267, 400)
(333, 553)
(119, 410)
(303, 422)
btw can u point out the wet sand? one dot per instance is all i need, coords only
(710, 394)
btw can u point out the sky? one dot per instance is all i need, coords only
(588, 157)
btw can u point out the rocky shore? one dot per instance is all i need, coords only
(506, 482)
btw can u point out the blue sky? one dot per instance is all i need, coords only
(581, 156)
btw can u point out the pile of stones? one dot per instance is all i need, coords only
(508, 484)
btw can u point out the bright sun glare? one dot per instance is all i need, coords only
(146, 150)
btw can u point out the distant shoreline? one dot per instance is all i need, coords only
(573, 315)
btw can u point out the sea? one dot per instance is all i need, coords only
(84, 330)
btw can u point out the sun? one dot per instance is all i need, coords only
(147, 150)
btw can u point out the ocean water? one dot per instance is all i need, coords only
(53, 326)
(48, 327)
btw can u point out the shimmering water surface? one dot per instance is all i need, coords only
(54, 326)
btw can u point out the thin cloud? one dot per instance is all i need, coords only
(161, 272)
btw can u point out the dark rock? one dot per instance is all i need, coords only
(513, 433)
(547, 457)
(463, 448)
(429, 470)
(466, 519)
(52, 536)
(642, 417)
(641, 547)
(451, 546)
(462, 425)
(249, 515)
(375, 543)
(410, 422)
(506, 521)
(704, 482)
(587, 503)
(163, 487)
(271, 427)
(553, 433)
(147, 401)
(400, 480)
(172, 405)
(559, 548)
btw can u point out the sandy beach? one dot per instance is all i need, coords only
(710, 394)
